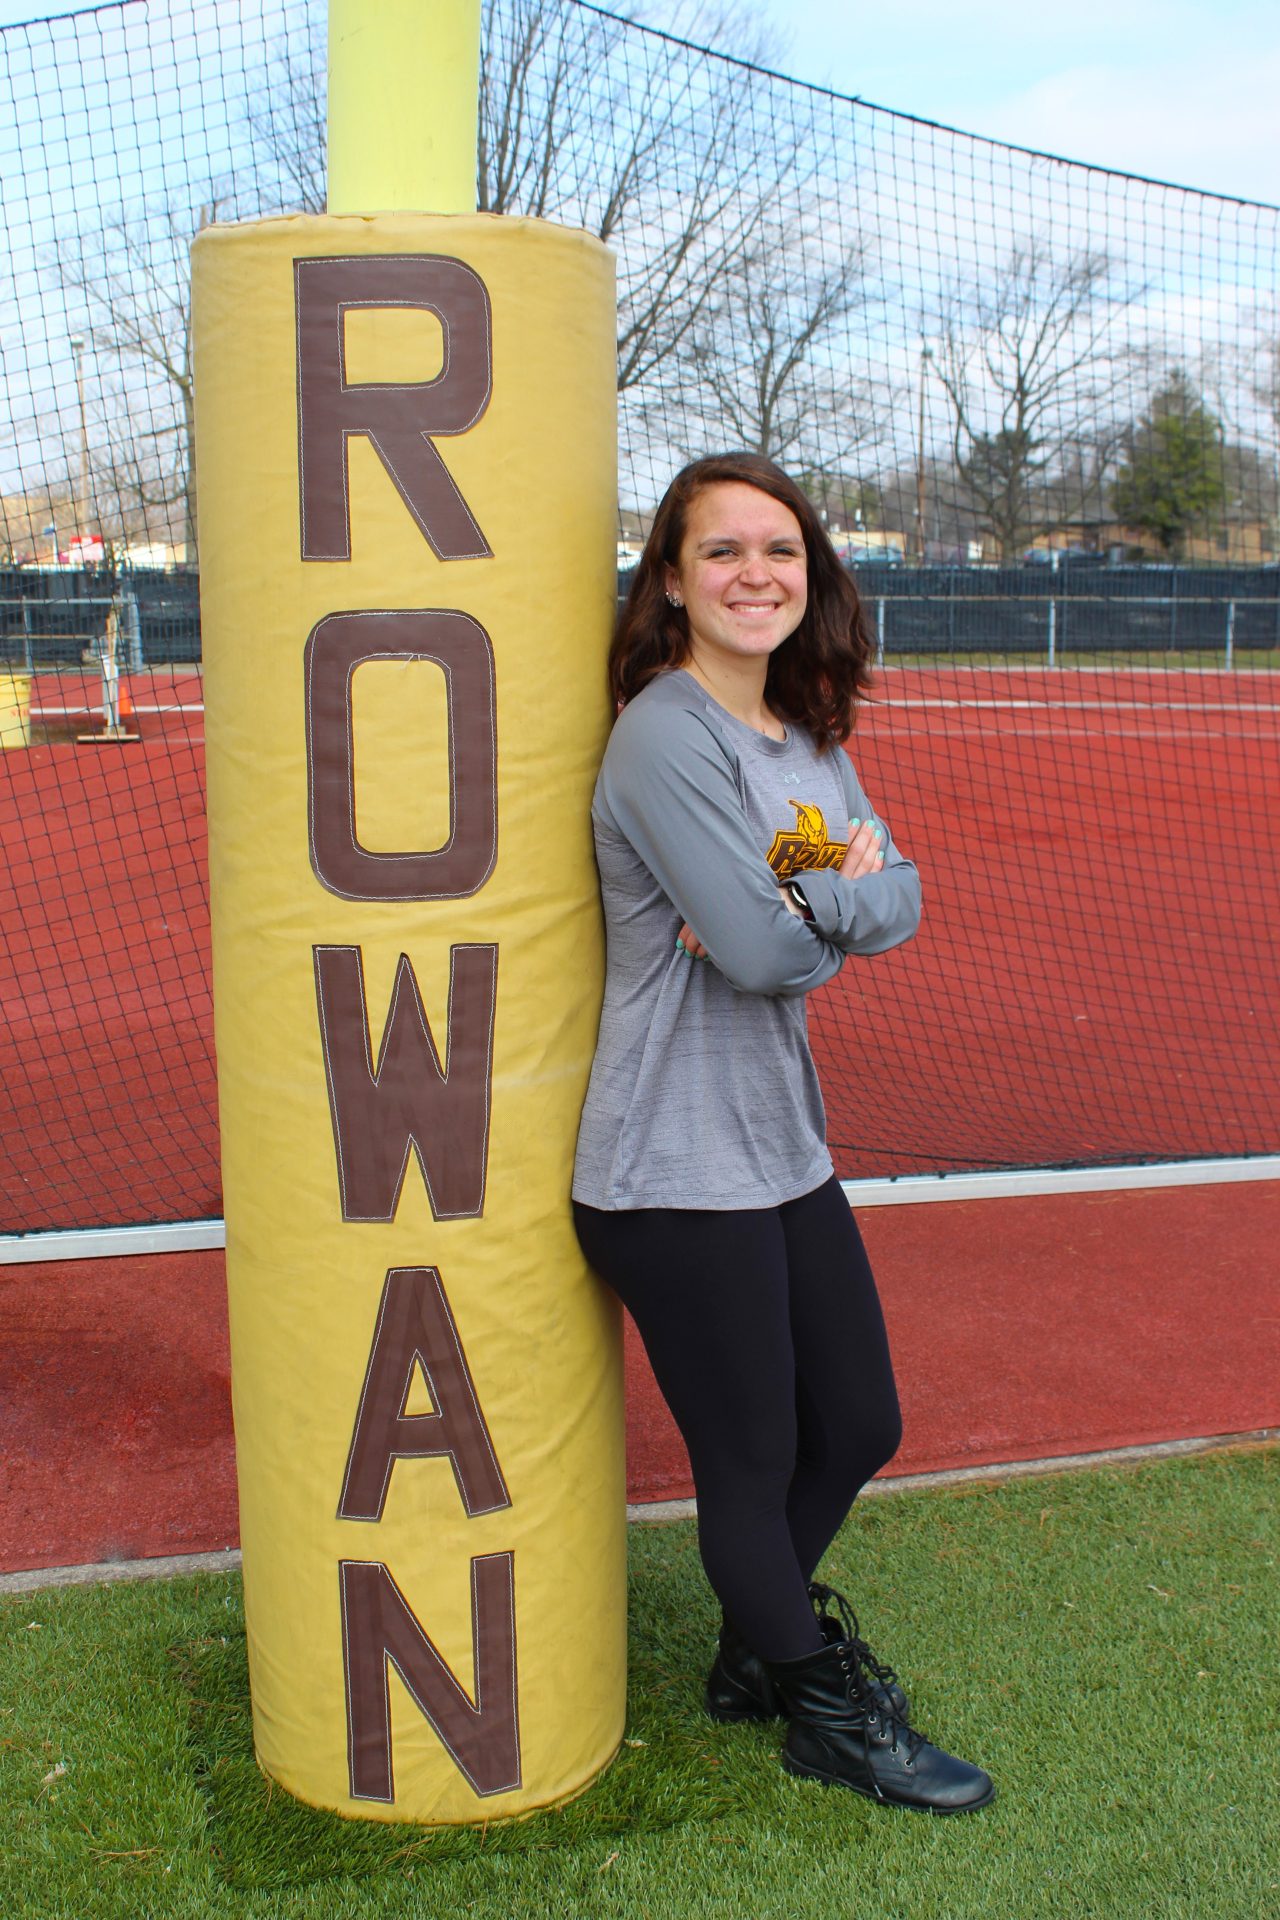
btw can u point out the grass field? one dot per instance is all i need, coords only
(1103, 1642)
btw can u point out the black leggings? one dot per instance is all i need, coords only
(764, 1331)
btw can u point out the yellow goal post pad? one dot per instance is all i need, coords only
(407, 474)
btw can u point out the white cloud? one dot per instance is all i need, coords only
(1206, 120)
(1182, 90)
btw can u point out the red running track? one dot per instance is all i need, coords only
(1095, 979)
(106, 1056)
(1021, 1329)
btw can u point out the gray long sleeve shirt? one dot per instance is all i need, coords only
(703, 1092)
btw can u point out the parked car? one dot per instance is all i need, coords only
(857, 554)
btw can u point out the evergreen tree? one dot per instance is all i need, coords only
(1171, 480)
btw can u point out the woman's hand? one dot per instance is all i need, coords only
(865, 852)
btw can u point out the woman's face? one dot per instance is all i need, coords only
(742, 573)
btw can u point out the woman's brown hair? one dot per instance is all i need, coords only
(818, 674)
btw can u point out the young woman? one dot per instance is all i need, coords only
(741, 863)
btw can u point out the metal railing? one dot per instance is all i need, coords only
(1080, 624)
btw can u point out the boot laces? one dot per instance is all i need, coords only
(826, 1599)
(876, 1708)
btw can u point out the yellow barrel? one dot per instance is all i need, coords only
(406, 434)
(15, 710)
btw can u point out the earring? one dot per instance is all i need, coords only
(673, 601)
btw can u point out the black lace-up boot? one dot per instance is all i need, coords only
(842, 1624)
(840, 1734)
(739, 1687)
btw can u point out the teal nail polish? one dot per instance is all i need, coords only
(681, 947)
(879, 833)
(854, 825)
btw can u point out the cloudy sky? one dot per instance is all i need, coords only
(1180, 90)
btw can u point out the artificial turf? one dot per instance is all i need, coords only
(1103, 1641)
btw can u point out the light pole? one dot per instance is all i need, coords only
(79, 504)
(926, 354)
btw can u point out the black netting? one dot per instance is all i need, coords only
(1038, 403)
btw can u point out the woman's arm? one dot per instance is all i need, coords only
(668, 786)
(880, 909)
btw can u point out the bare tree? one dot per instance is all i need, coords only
(36, 522)
(926, 505)
(1030, 373)
(667, 172)
(1265, 382)
(130, 279)
(648, 149)
(664, 170)
(288, 123)
(766, 365)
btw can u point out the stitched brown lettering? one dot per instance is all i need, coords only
(378, 1625)
(416, 1328)
(457, 644)
(409, 1102)
(400, 418)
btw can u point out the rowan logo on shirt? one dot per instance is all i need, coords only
(807, 846)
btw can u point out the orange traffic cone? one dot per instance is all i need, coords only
(119, 733)
(127, 712)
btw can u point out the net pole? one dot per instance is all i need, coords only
(110, 674)
(403, 106)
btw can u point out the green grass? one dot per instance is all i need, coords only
(1104, 1642)
(262, 1837)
